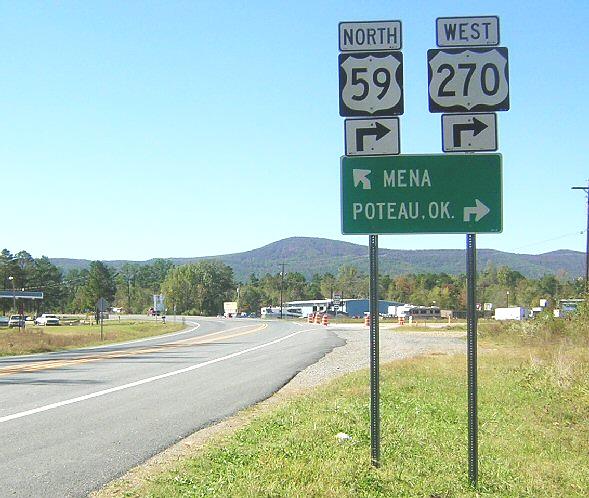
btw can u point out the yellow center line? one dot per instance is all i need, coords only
(192, 341)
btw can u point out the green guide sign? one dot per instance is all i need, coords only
(437, 193)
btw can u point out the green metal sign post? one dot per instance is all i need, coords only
(432, 193)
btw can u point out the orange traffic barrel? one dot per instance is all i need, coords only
(401, 321)
(367, 320)
(318, 318)
(310, 318)
(325, 320)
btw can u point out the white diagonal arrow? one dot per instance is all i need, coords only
(479, 210)
(360, 176)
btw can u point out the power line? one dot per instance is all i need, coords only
(581, 232)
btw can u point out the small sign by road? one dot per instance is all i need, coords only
(372, 137)
(468, 79)
(469, 132)
(467, 31)
(371, 84)
(369, 35)
(421, 194)
(102, 305)
(17, 294)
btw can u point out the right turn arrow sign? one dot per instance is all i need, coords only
(469, 132)
(475, 127)
(372, 137)
(479, 210)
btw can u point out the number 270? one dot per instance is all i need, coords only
(489, 78)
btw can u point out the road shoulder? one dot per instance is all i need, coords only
(352, 356)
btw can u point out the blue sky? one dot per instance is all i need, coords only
(134, 130)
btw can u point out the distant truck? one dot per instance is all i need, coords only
(230, 309)
(514, 313)
(399, 311)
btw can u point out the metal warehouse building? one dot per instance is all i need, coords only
(351, 307)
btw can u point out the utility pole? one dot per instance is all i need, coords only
(281, 286)
(586, 190)
(11, 278)
(129, 277)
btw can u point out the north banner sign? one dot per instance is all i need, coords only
(369, 35)
(421, 194)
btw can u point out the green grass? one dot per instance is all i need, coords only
(37, 339)
(533, 431)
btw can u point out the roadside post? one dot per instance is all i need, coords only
(21, 316)
(468, 80)
(337, 302)
(101, 307)
(371, 92)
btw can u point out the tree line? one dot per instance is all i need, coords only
(201, 288)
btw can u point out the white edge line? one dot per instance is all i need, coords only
(145, 339)
(147, 380)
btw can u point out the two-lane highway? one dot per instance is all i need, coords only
(73, 421)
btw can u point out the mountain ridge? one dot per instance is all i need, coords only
(311, 255)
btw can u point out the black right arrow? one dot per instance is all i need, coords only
(378, 131)
(476, 127)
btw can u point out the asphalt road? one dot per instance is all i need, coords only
(71, 422)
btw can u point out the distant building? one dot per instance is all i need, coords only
(306, 308)
(349, 307)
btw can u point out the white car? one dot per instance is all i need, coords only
(47, 319)
(16, 321)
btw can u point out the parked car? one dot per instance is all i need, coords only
(16, 321)
(47, 319)
(3, 321)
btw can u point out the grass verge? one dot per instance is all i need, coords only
(36, 339)
(534, 430)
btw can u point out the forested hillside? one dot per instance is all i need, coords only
(200, 287)
(308, 256)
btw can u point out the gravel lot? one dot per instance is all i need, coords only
(395, 344)
(354, 355)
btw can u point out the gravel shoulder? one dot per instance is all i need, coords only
(353, 356)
